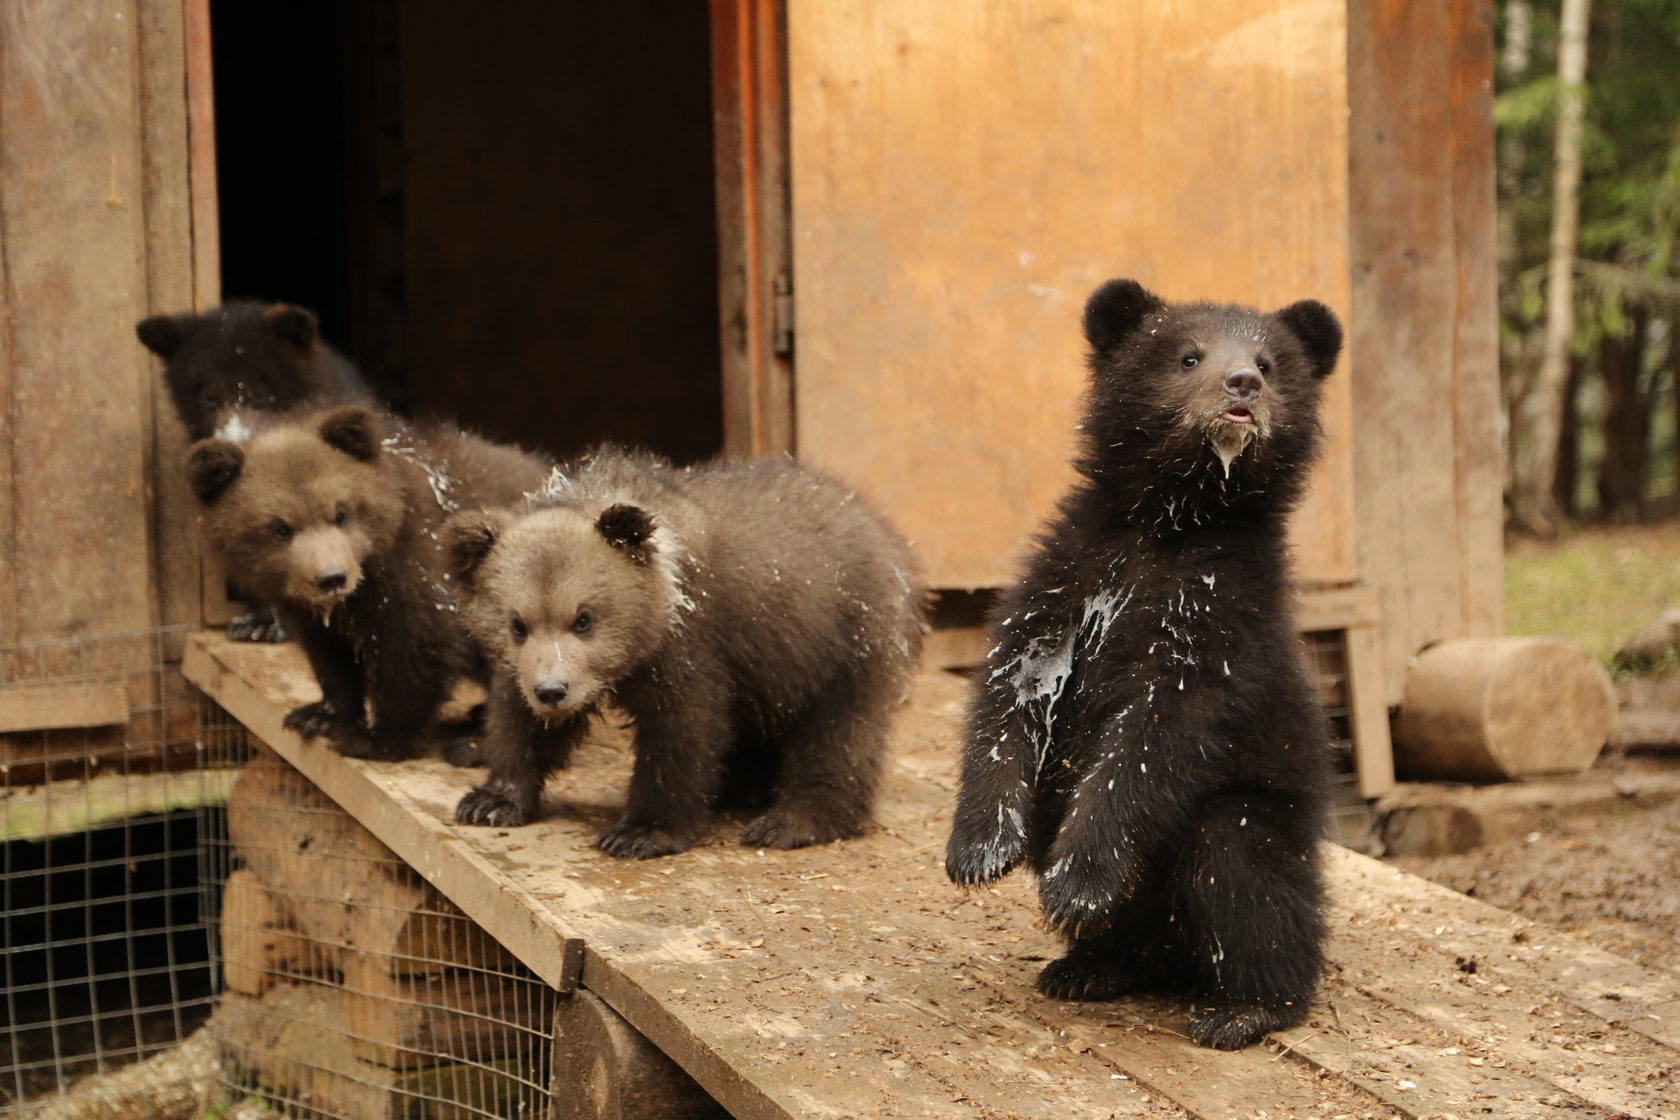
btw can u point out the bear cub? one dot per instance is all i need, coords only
(235, 367)
(336, 517)
(1143, 732)
(754, 619)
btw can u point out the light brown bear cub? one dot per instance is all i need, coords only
(755, 620)
(336, 518)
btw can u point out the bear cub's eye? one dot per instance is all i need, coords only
(341, 515)
(1263, 366)
(520, 630)
(1189, 361)
(282, 531)
(582, 623)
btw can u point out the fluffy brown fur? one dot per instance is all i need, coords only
(756, 621)
(233, 369)
(336, 517)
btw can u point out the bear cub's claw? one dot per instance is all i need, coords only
(257, 626)
(969, 864)
(787, 828)
(312, 720)
(493, 807)
(1079, 895)
(1235, 1027)
(1076, 977)
(630, 841)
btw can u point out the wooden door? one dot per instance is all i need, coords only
(963, 174)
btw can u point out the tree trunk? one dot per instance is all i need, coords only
(1627, 421)
(1532, 502)
(1566, 481)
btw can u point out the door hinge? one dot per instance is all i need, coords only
(781, 316)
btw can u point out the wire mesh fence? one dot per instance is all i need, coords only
(105, 802)
(353, 989)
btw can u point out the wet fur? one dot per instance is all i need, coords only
(251, 361)
(755, 620)
(1143, 732)
(396, 638)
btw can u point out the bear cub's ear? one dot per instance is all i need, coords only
(468, 538)
(1114, 311)
(295, 325)
(628, 528)
(163, 335)
(354, 431)
(1318, 330)
(213, 466)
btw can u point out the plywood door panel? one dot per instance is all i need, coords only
(964, 174)
(76, 386)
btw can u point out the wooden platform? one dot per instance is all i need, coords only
(854, 981)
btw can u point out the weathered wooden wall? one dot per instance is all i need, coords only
(963, 175)
(1426, 454)
(98, 218)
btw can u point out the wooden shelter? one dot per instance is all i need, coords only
(858, 232)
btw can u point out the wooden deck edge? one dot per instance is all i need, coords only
(461, 874)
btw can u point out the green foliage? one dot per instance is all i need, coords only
(1595, 587)
(1629, 240)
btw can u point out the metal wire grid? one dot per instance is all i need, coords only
(353, 988)
(105, 949)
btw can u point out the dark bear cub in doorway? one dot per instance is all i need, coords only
(234, 368)
(754, 619)
(336, 517)
(1143, 731)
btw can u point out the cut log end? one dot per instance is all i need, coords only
(1494, 709)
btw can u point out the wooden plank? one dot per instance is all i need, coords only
(71, 215)
(64, 808)
(166, 167)
(965, 174)
(749, 136)
(47, 707)
(1373, 740)
(1335, 608)
(777, 979)
(1479, 457)
(1421, 231)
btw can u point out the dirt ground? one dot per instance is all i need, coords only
(1611, 879)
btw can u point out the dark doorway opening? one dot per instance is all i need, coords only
(503, 213)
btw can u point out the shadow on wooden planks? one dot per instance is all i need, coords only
(853, 981)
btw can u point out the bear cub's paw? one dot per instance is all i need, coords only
(783, 827)
(495, 807)
(319, 719)
(463, 750)
(1077, 977)
(632, 841)
(1079, 893)
(257, 626)
(1236, 1026)
(971, 859)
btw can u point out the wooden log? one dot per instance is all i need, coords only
(1491, 709)
(604, 1069)
(292, 1042)
(258, 944)
(408, 1022)
(1647, 729)
(339, 886)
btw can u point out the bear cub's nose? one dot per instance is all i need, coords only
(1244, 384)
(550, 692)
(332, 582)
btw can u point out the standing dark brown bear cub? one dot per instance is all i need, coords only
(1143, 731)
(336, 518)
(756, 621)
(234, 368)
